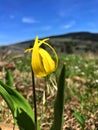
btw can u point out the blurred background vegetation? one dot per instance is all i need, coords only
(78, 51)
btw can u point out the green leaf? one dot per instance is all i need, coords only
(19, 106)
(59, 102)
(80, 118)
(9, 78)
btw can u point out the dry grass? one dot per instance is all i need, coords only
(81, 95)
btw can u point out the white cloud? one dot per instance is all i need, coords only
(68, 25)
(28, 20)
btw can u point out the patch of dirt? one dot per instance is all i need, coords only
(5, 126)
(45, 100)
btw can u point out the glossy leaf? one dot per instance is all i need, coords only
(19, 106)
(59, 102)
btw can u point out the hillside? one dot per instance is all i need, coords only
(80, 35)
(77, 42)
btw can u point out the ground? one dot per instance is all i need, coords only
(46, 93)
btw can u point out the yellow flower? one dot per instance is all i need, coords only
(42, 62)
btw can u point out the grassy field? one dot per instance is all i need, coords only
(81, 103)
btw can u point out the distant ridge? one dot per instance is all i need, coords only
(79, 35)
(75, 41)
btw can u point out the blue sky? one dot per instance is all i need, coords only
(22, 20)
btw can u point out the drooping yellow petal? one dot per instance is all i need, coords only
(28, 50)
(56, 62)
(42, 62)
(47, 61)
(37, 65)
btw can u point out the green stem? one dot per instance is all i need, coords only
(34, 100)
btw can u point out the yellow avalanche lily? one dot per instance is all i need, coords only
(42, 62)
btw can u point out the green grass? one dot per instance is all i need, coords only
(81, 87)
(85, 87)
